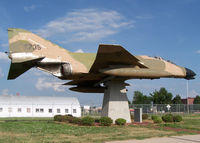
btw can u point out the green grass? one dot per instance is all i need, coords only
(45, 130)
(190, 121)
(49, 131)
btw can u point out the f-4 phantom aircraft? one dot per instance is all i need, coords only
(104, 72)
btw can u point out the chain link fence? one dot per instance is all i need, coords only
(151, 109)
(92, 111)
(165, 108)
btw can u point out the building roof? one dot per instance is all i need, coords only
(39, 100)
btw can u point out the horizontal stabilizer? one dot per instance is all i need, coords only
(18, 68)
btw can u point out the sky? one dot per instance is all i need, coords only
(169, 29)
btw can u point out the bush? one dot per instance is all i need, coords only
(57, 118)
(66, 118)
(153, 117)
(89, 121)
(157, 120)
(76, 121)
(63, 118)
(71, 119)
(96, 120)
(177, 118)
(120, 121)
(167, 118)
(105, 121)
(144, 116)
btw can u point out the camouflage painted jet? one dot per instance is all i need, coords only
(87, 71)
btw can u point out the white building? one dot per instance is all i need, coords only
(86, 107)
(38, 106)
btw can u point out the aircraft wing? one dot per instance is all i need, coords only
(107, 57)
(113, 55)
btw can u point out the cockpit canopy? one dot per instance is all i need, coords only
(160, 58)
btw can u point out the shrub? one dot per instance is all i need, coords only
(76, 121)
(157, 120)
(63, 118)
(70, 119)
(144, 116)
(96, 120)
(89, 121)
(177, 118)
(153, 117)
(58, 118)
(105, 121)
(167, 118)
(67, 118)
(120, 121)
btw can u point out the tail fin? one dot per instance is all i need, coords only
(23, 41)
(27, 49)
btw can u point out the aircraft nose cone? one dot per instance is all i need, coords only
(189, 74)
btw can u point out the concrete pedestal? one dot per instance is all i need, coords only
(115, 102)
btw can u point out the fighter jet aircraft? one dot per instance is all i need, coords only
(87, 71)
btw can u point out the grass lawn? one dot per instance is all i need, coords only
(48, 131)
(190, 121)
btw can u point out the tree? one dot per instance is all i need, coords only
(147, 99)
(197, 100)
(177, 100)
(139, 98)
(129, 103)
(162, 96)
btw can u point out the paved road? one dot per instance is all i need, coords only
(172, 139)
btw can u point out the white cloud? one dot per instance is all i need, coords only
(42, 84)
(30, 8)
(79, 51)
(95, 35)
(198, 51)
(4, 56)
(85, 25)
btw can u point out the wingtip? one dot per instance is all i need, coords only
(110, 45)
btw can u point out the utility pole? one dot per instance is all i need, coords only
(187, 95)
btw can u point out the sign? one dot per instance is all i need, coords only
(168, 107)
